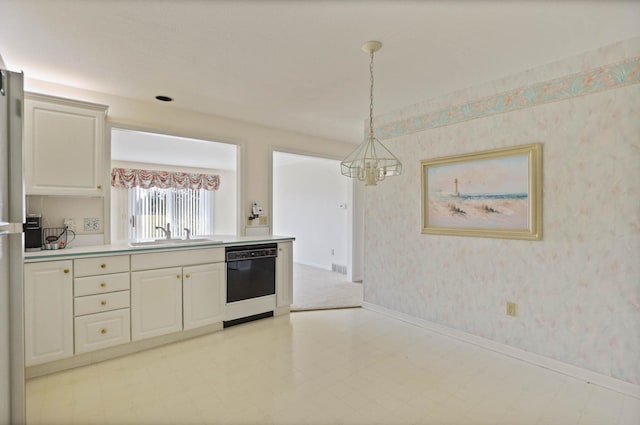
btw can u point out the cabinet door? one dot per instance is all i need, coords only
(48, 295)
(63, 146)
(156, 302)
(284, 275)
(204, 292)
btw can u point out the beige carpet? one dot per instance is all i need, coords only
(315, 289)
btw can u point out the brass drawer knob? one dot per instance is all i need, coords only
(103, 302)
(103, 285)
(103, 331)
(66, 270)
(178, 276)
(99, 186)
(187, 275)
(103, 266)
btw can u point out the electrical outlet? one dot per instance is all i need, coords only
(511, 309)
(70, 223)
(91, 224)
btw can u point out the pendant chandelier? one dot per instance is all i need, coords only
(371, 161)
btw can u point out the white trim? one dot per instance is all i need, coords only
(516, 353)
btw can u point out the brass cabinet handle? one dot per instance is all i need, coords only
(99, 186)
(187, 275)
(103, 331)
(103, 302)
(103, 266)
(66, 270)
(103, 285)
(178, 276)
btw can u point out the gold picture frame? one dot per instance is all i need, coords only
(492, 194)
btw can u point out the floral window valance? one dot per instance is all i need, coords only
(131, 177)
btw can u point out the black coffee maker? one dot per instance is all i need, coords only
(33, 232)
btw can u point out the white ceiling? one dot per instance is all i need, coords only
(297, 64)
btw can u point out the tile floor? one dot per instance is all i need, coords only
(350, 366)
(315, 288)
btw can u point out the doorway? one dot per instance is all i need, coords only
(312, 202)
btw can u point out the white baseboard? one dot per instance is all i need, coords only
(109, 353)
(279, 311)
(516, 353)
(317, 266)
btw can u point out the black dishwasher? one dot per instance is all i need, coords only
(251, 271)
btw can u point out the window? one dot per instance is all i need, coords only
(156, 198)
(192, 209)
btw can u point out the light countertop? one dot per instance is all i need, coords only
(125, 248)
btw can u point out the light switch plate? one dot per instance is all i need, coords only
(91, 224)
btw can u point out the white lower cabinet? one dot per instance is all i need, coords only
(284, 275)
(48, 294)
(87, 304)
(189, 292)
(204, 291)
(170, 300)
(101, 303)
(156, 302)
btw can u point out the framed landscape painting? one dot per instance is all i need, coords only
(494, 194)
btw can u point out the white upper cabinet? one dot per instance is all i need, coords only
(64, 146)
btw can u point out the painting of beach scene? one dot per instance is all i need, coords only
(492, 194)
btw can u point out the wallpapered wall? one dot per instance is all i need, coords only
(577, 290)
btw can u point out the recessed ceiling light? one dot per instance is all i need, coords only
(164, 98)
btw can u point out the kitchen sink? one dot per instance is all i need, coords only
(165, 242)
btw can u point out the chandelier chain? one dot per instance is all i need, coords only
(371, 97)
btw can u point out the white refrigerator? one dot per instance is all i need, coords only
(12, 217)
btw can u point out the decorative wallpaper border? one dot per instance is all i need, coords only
(604, 78)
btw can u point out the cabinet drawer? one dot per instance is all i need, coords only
(102, 302)
(100, 284)
(102, 330)
(100, 265)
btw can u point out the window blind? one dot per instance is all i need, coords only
(182, 208)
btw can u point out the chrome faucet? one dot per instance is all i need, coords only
(167, 231)
(188, 233)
